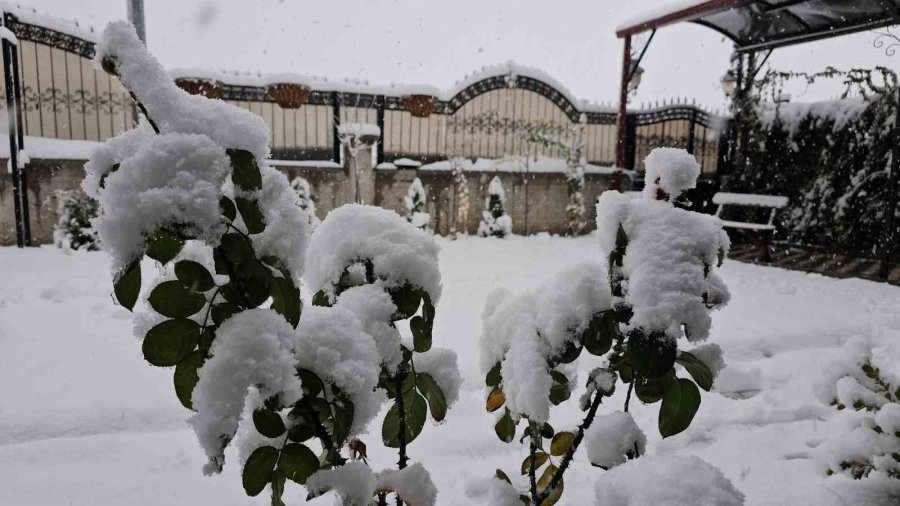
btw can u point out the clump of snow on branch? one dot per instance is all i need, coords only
(374, 308)
(170, 180)
(399, 252)
(441, 364)
(353, 482)
(332, 344)
(669, 172)
(414, 201)
(172, 109)
(666, 480)
(254, 348)
(613, 439)
(493, 492)
(559, 311)
(413, 484)
(287, 227)
(671, 254)
(524, 331)
(494, 220)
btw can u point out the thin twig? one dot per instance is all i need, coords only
(628, 395)
(401, 412)
(570, 453)
(532, 471)
(143, 111)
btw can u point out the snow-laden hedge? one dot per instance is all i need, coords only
(831, 159)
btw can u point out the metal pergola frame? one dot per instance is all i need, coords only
(888, 15)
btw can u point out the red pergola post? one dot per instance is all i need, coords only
(621, 123)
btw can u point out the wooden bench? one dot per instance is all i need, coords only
(765, 230)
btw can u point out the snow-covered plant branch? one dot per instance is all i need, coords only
(658, 286)
(282, 383)
(73, 229)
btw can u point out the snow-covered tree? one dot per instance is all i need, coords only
(656, 285)
(304, 199)
(290, 389)
(357, 138)
(73, 230)
(494, 220)
(415, 202)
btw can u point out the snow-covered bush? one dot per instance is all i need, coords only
(290, 387)
(305, 200)
(494, 220)
(414, 201)
(658, 287)
(865, 386)
(73, 230)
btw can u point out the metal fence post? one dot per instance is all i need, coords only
(379, 119)
(336, 120)
(692, 123)
(630, 141)
(16, 137)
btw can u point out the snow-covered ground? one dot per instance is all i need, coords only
(85, 421)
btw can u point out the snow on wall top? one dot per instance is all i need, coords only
(32, 16)
(792, 113)
(322, 83)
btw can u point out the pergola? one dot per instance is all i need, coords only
(763, 25)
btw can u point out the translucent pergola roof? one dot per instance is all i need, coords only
(765, 24)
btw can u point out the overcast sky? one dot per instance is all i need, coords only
(425, 41)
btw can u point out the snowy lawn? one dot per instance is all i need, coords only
(85, 421)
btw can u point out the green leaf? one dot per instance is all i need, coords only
(720, 257)
(601, 332)
(286, 299)
(697, 369)
(258, 468)
(569, 354)
(547, 431)
(433, 393)
(268, 423)
(560, 390)
(245, 173)
(252, 216)
(421, 334)
(321, 299)
(427, 309)
(127, 284)
(169, 342)
(505, 427)
(679, 406)
(651, 355)
(172, 299)
(301, 431)
(407, 299)
(342, 420)
(650, 391)
(186, 378)
(222, 311)
(493, 377)
(163, 246)
(414, 415)
(500, 475)
(194, 276)
(561, 443)
(227, 208)
(298, 462)
(312, 384)
(236, 248)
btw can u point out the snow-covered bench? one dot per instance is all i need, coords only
(765, 230)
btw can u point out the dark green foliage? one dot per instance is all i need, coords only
(258, 469)
(505, 427)
(651, 355)
(172, 299)
(73, 229)
(679, 405)
(697, 369)
(193, 276)
(268, 423)
(298, 462)
(127, 285)
(415, 413)
(163, 245)
(185, 377)
(433, 394)
(170, 341)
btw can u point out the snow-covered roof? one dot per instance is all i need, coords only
(660, 11)
(407, 162)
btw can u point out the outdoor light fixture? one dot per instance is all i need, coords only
(729, 83)
(636, 72)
